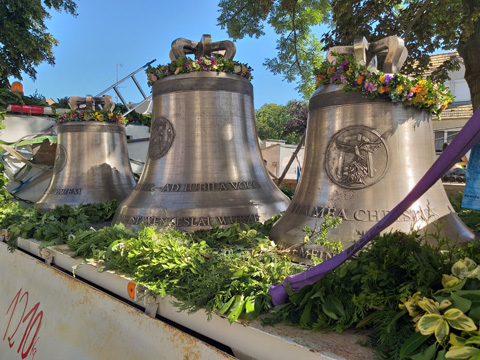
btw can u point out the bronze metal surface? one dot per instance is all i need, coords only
(91, 165)
(204, 165)
(362, 157)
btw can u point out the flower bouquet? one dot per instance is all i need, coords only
(186, 65)
(357, 76)
(92, 115)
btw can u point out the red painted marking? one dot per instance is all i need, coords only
(27, 109)
(33, 319)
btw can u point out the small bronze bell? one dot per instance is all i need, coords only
(91, 161)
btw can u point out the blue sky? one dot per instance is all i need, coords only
(131, 33)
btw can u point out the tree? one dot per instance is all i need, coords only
(293, 20)
(297, 123)
(282, 122)
(24, 39)
(271, 120)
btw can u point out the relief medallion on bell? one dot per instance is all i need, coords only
(161, 138)
(356, 157)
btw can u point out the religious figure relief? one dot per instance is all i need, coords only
(356, 157)
(161, 137)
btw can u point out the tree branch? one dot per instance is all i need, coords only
(297, 60)
(415, 19)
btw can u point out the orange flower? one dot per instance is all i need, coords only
(360, 80)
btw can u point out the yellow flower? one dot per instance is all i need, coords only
(399, 89)
(380, 89)
(382, 79)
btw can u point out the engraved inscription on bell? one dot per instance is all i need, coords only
(356, 157)
(161, 138)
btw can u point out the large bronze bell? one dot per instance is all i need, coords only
(362, 157)
(204, 165)
(91, 162)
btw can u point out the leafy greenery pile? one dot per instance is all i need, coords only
(470, 217)
(367, 290)
(53, 227)
(229, 271)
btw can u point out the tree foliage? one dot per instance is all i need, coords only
(271, 120)
(282, 122)
(24, 38)
(297, 47)
(297, 124)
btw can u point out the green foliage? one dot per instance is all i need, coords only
(282, 122)
(24, 37)
(470, 217)
(62, 103)
(271, 120)
(366, 290)
(54, 226)
(228, 271)
(35, 100)
(287, 191)
(449, 316)
(133, 117)
(298, 50)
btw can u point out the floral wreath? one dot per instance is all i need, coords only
(92, 115)
(356, 75)
(187, 65)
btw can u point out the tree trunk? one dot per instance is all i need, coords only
(469, 50)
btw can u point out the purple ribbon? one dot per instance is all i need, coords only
(464, 141)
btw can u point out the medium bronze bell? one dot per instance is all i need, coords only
(204, 165)
(91, 165)
(362, 157)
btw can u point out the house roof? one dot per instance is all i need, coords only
(459, 111)
(438, 59)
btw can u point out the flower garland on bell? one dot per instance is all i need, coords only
(92, 115)
(357, 76)
(183, 66)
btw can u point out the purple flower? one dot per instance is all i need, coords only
(409, 95)
(343, 78)
(187, 65)
(370, 87)
(344, 64)
(387, 78)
